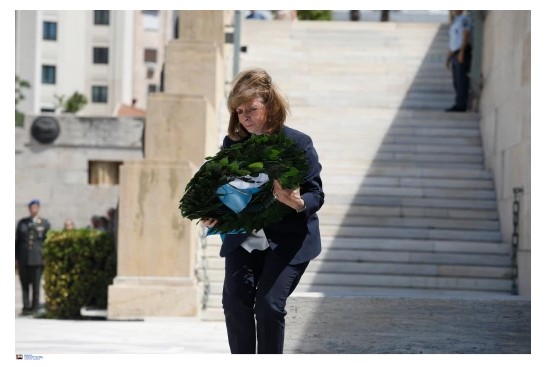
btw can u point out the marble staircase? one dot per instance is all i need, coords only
(410, 207)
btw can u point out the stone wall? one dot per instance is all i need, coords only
(58, 173)
(506, 123)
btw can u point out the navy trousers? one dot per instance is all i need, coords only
(460, 78)
(256, 287)
(30, 276)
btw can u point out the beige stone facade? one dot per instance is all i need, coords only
(152, 30)
(506, 124)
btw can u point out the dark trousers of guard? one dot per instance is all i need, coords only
(460, 77)
(256, 287)
(30, 276)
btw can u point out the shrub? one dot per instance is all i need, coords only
(314, 14)
(79, 266)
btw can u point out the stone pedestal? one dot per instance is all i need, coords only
(196, 69)
(156, 245)
(180, 127)
(137, 297)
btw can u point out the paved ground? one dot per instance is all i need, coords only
(39, 336)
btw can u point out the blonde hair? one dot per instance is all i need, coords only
(252, 84)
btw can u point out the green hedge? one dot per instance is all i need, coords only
(314, 14)
(79, 266)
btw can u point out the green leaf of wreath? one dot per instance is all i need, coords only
(276, 155)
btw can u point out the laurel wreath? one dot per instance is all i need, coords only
(276, 155)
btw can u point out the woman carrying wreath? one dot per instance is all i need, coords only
(263, 269)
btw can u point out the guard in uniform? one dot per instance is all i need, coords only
(459, 58)
(29, 238)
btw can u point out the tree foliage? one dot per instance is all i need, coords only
(20, 85)
(314, 14)
(74, 103)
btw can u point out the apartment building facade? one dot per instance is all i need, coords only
(112, 57)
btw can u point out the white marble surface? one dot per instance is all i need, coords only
(180, 335)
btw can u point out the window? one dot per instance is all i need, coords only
(49, 31)
(104, 172)
(100, 94)
(150, 55)
(48, 74)
(152, 88)
(151, 20)
(100, 55)
(150, 73)
(102, 17)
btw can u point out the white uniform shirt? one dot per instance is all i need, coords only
(460, 24)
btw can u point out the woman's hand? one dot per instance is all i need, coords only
(209, 222)
(289, 197)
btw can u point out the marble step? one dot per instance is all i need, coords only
(355, 161)
(362, 151)
(340, 281)
(212, 314)
(347, 230)
(413, 245)
(325, 265)
(369, 147)
(467, 271)
(338, 168)
(402, 281)
(395, 99)
(432, 131)
(422, 183)
(405, 139)
(400, 222)
(368, 119)
(354, 138)
(412, 257)
(394, 292)
(372, 150)
(403, 115)
(417, 115)
(403, 201)
(359, 157)
(214, 300)
(420, 164)
(394, 244)
(349, 209)
(367, 192)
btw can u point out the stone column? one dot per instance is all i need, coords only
(156, 246)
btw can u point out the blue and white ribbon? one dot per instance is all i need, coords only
(238, 193)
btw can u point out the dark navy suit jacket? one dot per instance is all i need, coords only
(296, 238)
